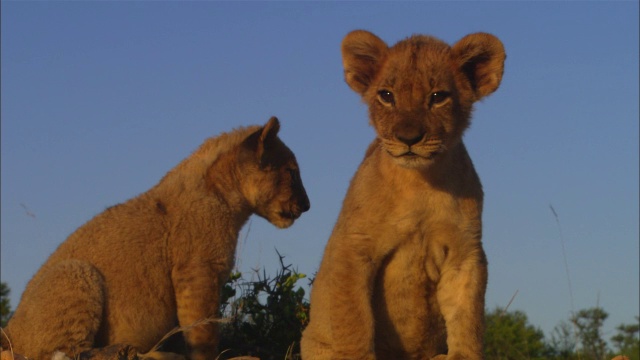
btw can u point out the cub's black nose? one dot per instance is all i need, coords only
(410, 139)
(304, 204)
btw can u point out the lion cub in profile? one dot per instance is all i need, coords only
(404, 274)
(140, 268)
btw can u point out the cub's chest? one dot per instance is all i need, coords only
(420, 230)
(421, 212)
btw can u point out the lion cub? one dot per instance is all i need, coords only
(140, 268)
(404, 274)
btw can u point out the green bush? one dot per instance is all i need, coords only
(267, 318)
(5, 306)
(509, 336)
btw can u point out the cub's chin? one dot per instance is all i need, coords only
(282, 219)
(412, 160)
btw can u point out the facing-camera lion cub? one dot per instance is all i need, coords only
(404, 274)
(140, 268)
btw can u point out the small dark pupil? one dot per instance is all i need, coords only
(386, 96)
(438, 97)
(293, 174)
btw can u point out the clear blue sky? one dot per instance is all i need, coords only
(100, 99)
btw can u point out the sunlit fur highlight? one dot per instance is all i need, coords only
(403, 274)
(159, 260)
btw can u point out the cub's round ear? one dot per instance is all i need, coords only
(268, 136)
(480, 57)
(362, 55)
(270, 129)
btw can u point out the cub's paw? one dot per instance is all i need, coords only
(10, 355)
(161, 355)
(351, 357)
(454, 357)
(111, 352)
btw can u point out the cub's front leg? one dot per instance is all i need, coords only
(460, 294)
(351, 287)
(197, 287)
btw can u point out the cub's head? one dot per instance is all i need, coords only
(420, 91)
(270, 177)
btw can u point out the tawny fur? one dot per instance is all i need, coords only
(159, 260)
(403, 274)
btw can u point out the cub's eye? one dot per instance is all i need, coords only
(439, 97)
(386, 97)
(293, 173)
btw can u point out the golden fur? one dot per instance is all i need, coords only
(140, 268)
(404, 274)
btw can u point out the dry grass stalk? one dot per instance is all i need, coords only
(9, 354)
(154, 350)
(124, 352)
